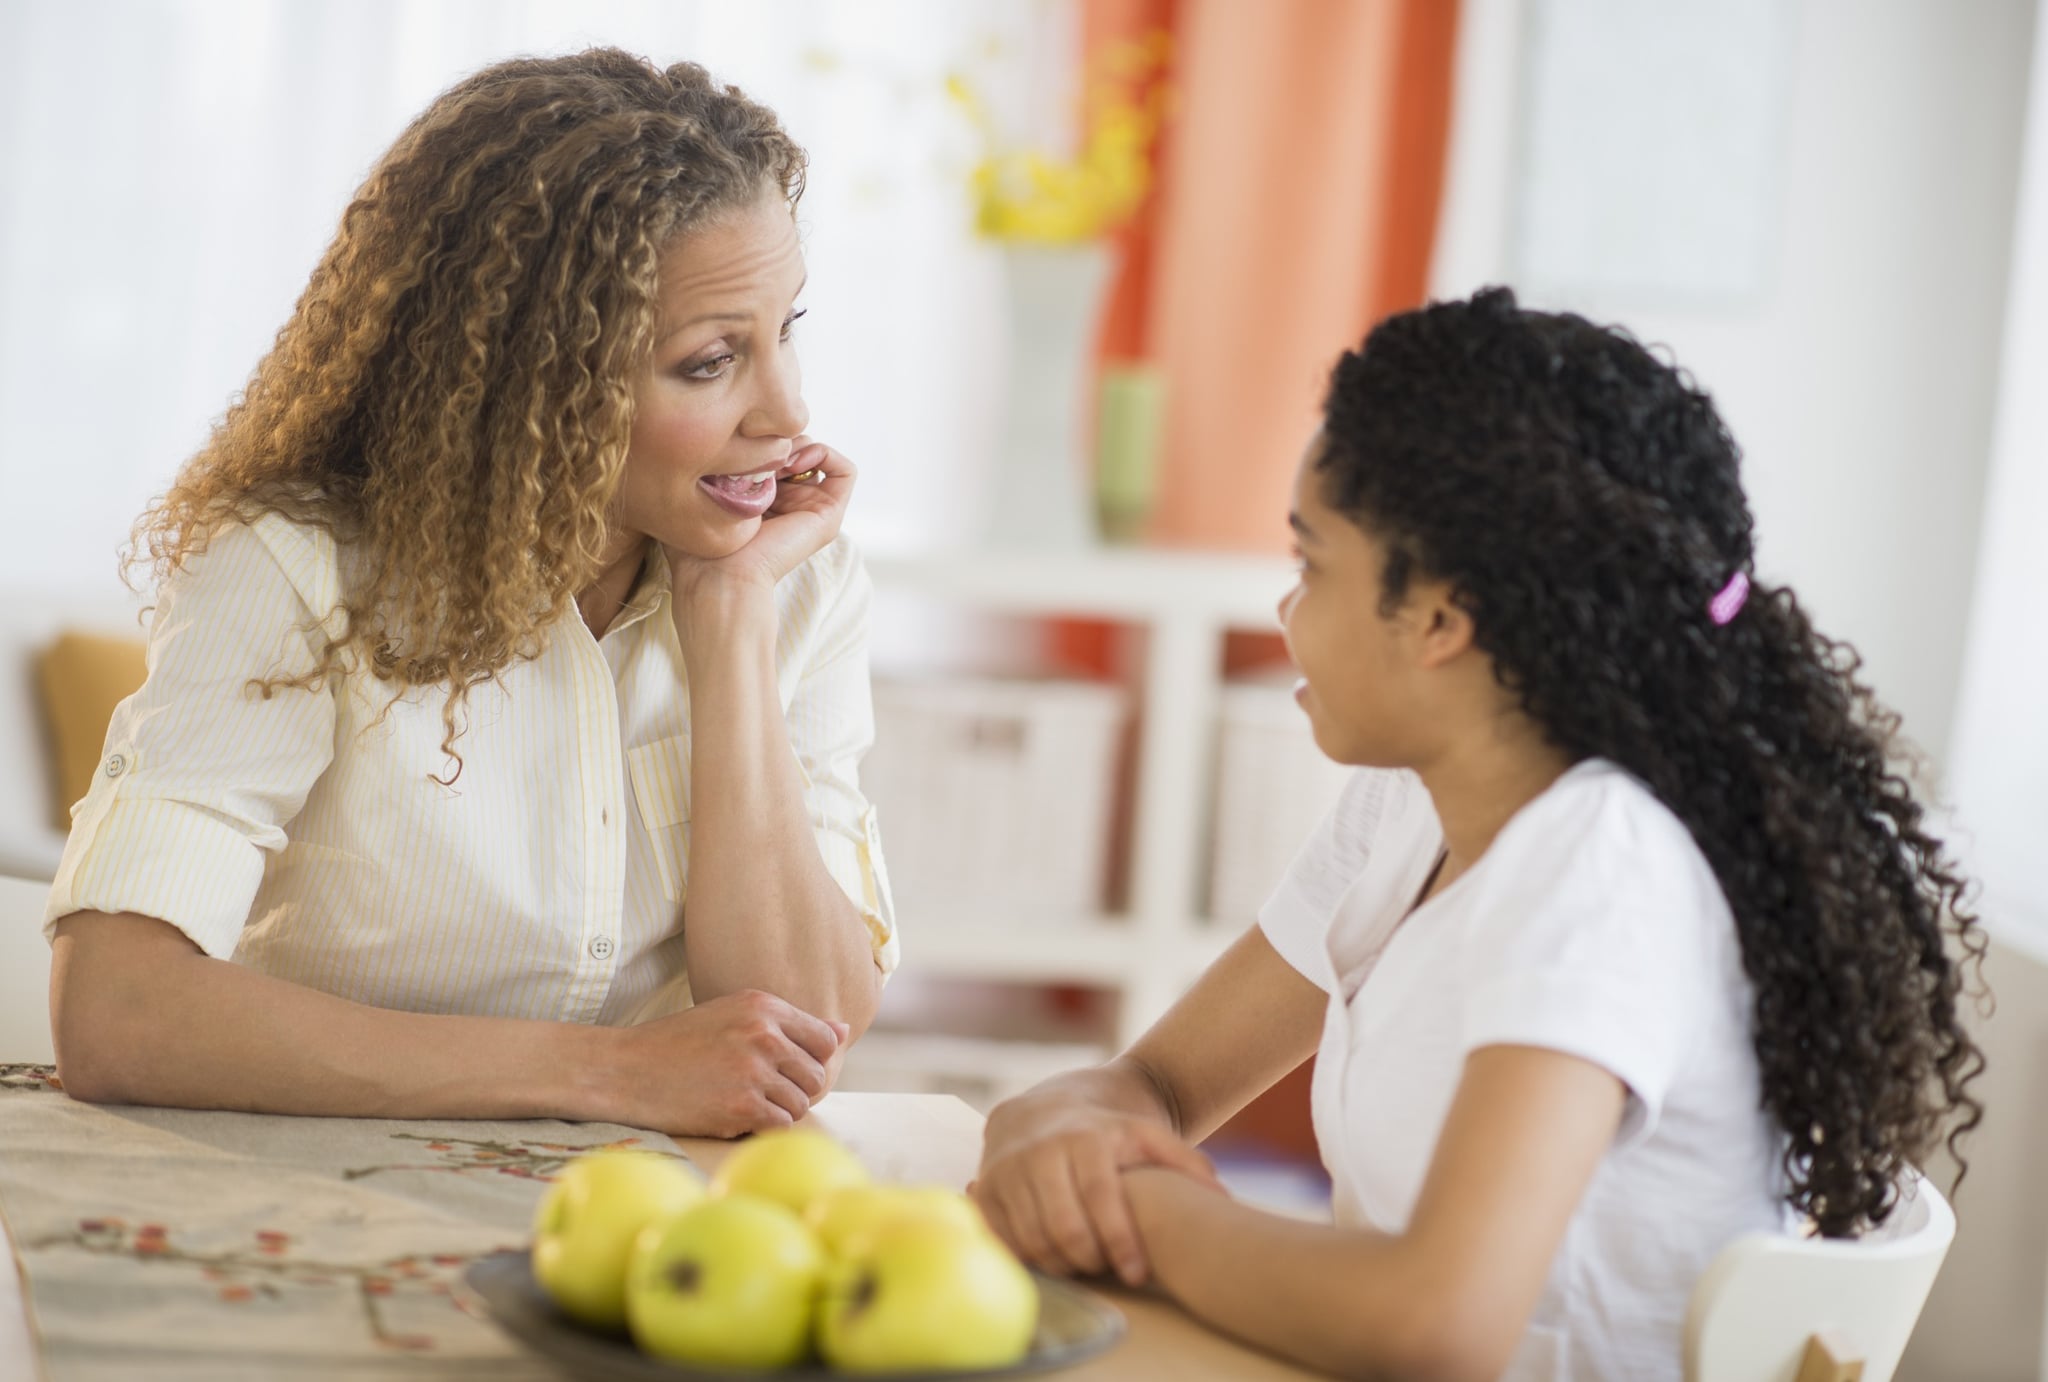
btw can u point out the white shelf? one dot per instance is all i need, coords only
(1104, 952)
(1237, 592)
(1185, 603)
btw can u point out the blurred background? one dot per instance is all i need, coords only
(1078, 269)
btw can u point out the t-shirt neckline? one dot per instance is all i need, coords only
(1441, 852)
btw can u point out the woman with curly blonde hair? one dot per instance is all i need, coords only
(505, 610)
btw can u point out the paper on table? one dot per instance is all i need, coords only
(167, 1244)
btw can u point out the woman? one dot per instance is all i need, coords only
(506, 609)
(1625, 939)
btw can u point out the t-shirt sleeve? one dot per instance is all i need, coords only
(1593, 937)
(1297, 917)
(202, 771)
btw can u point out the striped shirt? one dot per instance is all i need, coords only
(312, 835)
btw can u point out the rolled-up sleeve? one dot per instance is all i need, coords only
(203, 770)
(831, 727)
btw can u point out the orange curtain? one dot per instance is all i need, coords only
(1296, 204)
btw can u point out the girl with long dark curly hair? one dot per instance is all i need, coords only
(508, 677)
(1627, 938)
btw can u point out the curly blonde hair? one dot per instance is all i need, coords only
(453, 395)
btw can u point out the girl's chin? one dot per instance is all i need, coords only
(1336, 741)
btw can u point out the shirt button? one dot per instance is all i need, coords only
(604, 816)
(601, 948)
(116, 765)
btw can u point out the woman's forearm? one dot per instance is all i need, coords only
(140, 1015)
(763, 911)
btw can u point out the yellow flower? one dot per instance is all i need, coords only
(1030, 196)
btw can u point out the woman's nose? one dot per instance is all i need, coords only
(779, 409)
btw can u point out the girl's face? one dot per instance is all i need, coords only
(721, 405)
(1364, 671)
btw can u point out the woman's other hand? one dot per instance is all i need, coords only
(1051, 1180)
(744, 1062)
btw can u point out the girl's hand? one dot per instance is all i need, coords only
(802, 521)
(1051, 1182)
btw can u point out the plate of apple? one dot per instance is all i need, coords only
(791, 1259)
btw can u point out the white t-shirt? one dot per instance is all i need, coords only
(1593, 925)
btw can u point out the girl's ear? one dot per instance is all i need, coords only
(1443, 627)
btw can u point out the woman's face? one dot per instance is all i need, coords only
(1361, 685)
(722, 402)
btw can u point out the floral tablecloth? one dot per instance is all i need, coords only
(166, 1245)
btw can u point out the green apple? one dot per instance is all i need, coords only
(730, 1283)
(791, 1166)
(842, 1218)
(584, 1227)
(921, 1294)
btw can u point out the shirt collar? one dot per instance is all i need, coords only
(651, 591)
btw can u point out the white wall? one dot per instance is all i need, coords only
(1860, 379)
(1999, 764)
(170, 171)
(1984, 1322)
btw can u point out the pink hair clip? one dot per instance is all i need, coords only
(1728, 603)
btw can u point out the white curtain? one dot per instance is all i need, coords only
(1999, 760)
(171, 169)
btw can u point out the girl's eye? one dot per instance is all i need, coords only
(709, 369)
(789, 322)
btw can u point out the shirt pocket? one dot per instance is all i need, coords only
(661, 790)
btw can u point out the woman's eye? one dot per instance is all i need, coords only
(789, 322)
(709, 369)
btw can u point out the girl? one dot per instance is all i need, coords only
(1624, 941)
(505, 610)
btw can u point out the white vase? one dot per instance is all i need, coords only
(1040, 494)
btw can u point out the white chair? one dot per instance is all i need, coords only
(24, 972)
(1778, 1309)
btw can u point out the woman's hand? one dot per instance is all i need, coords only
(802, 521)
(1051, 1181)
(741, 1063)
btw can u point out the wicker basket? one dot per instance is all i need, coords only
(995, 796)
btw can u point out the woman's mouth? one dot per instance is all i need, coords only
(743, 496)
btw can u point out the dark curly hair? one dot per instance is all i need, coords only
(1582, 500)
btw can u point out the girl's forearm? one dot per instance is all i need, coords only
(763, 910)
(1346, 1301)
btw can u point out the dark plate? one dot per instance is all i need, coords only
(1072, 1325)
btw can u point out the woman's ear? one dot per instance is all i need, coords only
(1443, 626)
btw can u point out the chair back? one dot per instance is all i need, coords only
(24, 972)
(1781, 1309)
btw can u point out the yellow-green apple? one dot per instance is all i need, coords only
(584, 1226)
(919, 1293)
(791, 1166)
(842, 1217)
(730, 1283)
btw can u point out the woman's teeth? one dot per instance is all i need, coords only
(743, 485)
(747, 496)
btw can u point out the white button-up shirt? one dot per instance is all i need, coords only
(317, 836)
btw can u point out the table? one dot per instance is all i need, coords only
(908, 1137)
